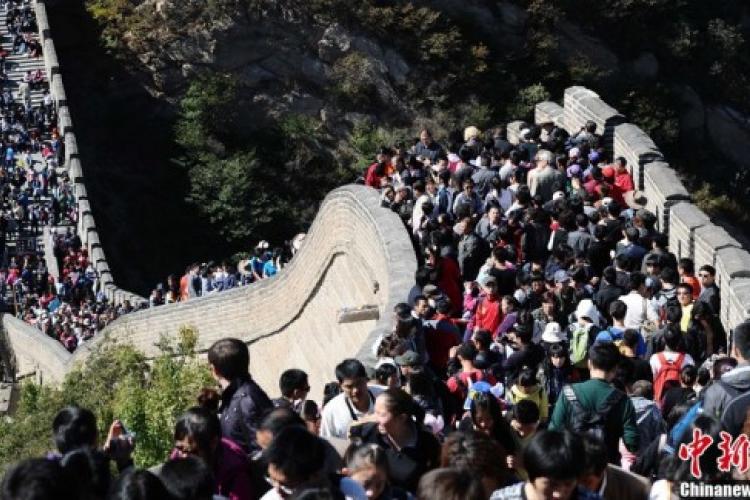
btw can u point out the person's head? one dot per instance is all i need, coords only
(477, 453)
(450, 484)
(638, 281)
(294, 458)
(643, 389)
(229, 359)
(543, 158)
(673, 339)
(482, 340)
(686, 267)
(421, 306)
(294, 385)
(558, 355)
(352, 378)
(603, 359)
(554, 460)
(618, 309)
(188, 478)
(548, 302)
(311, 416)
(524, 417)
(74, 427)
(688, 375)
(487, 417)
(276, 421)
(741, 348)
(630, 338)
(467, 352)
(37, 479)
(673, 314)
(722, 366)
(527, 381)
(138, 484)
(684, 294)
(367, 464)
(387, 374)
(707, 275)
(508, 304)
(595, 462)
(425, 137)
(395, 410)
(197, 433)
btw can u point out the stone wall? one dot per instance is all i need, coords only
(691, 232)
(86, 225)
(356, 254)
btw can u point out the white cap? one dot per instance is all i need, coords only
(552, 333)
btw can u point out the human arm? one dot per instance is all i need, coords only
(629, 426)
(557, 422)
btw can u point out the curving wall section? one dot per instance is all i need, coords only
(355, 254)
(691, 232)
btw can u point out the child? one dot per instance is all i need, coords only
(527, 387)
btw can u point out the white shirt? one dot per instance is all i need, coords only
(670, 356)
(350, 488)
(640, 309)
(337, 414)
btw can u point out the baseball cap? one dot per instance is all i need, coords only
(409, 358)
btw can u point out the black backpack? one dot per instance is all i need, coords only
(592, 422)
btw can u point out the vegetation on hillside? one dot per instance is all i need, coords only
(117, 382)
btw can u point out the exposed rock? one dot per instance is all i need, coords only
(646, 65)
(397, 66)
(729, 130)
(574, 43)
(334, 43)
(692, 114)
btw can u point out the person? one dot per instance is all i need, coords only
(641, 367)
(682, 393)
(355, 401)
(686, 270)
(598, 397)
(709, 289)
(198, 433)
(460, 383)
(37, 479)
(608, 480)
(427, 147)
(732, 384)
(138, 484)
(544, 179)
(296, 461)
(524, 420)
(410, 449)
(527, 387)
(640, 310)
(525, 352)
(243, 402)
(557, 370)
(482, 456)
(486, 417)
(294, 388)
(311, 415)
(647, 413)
(666, 365)
(487, 314)
(450, 484)
(367, 464)
(554, 460)
(685, 300)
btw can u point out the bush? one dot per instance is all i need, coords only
(355, 76)
(522, 108)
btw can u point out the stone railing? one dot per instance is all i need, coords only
(356, 254)
(86, 225)
(691, 232)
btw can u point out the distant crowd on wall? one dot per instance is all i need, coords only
(551, 347)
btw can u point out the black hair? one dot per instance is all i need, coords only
(673, 314)
(296, 453)
(637, 279)
(483, 338)
(90, 468)
(279, 419)
(36, 479)
(384, 372)
(292, 379)
(618, 309)
(704, 376)
(467, 351)
(422, 276)
(527, 378)
(201, 425)
(230, 358)
(596, 455)
(708, 269)
(668, 275)
(471, 450)
(525, 411)
(138, 484)
(188, 479)
(350, 369)
(630, 338)
(450, 484)
(330, 391)
(687, 265)
(501, 430)
(73, 427)
(687, 287)
(742, 339)
(688, 375)
(604, 356)
(554, 454)
(673, 338)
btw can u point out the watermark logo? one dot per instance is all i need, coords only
(734, 452)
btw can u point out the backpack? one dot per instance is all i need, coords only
(579, 347)
(669, 372)
(584, 421)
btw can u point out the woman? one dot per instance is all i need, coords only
(368, 465)
(411, 451)
(486, 417)
(682, 394)
(198, 433)
(557, 370)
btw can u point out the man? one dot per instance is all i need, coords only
(580, 239)
(722, 393)
(353, 403)
(610, 481)
(487, 314)
(294, 388)
(440, 336)
(623, 180)
(667, 259)
(544, 179)
(608, 290)
(243, 402)
(709, 290)
(489, 225)
(483, 175)
(427, 147)
(685, 298)
(472, 250)
(629, 247)
(597, 396)
(640, 309)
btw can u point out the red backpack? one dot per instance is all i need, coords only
(668, 373)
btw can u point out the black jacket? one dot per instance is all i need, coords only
(243, 406)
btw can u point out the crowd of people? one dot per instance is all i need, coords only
(551, 347)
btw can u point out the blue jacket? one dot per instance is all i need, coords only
(243, 406)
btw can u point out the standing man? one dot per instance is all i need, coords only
(709, 290)
(355, 401)
(243, 402)
(427, 147)
(544, 179)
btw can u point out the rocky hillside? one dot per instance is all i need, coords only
(347, 76)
